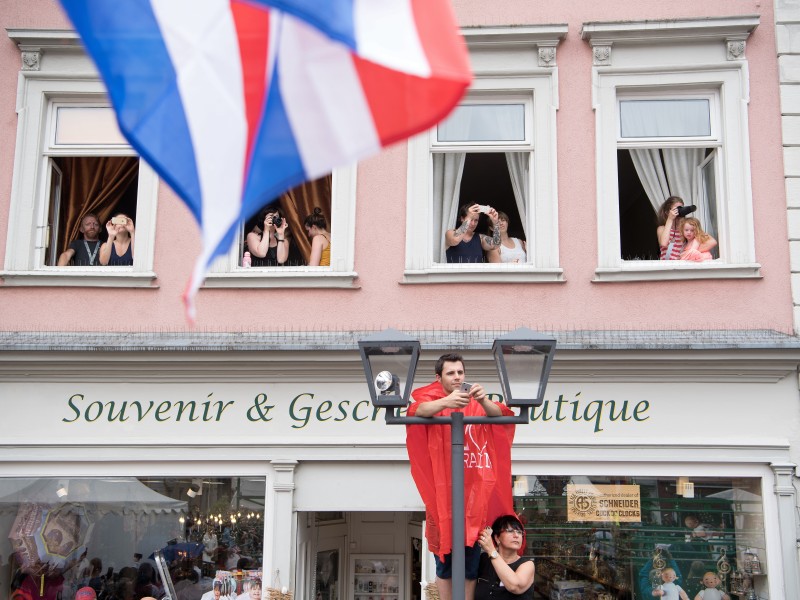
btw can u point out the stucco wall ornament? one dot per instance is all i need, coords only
(31, 61)
(601, 54)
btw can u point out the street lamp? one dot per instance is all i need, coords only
(523, 359)
(384, 355)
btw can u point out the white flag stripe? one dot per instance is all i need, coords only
(202, 42)
(324, 100)
(386, 34)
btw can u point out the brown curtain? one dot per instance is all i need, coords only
(299, 202)
(92, 184)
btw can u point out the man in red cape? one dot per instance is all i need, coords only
(487, 467)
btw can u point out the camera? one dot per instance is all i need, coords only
(686, 210)
(276, 220)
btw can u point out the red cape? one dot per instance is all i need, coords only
(487, 471)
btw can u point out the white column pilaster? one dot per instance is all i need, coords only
(787, 521)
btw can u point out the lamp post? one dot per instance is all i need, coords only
(523, 358)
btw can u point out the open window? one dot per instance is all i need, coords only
(72, 161)
(666, 147)
(671, 120)
(335, 196)
(498, 149)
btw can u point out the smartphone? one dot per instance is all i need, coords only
(466, 387)
(484, 208)
(119, 221)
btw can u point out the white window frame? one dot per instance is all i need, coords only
(57, 74)
(227, 272)
(669, 59)
(509, 63)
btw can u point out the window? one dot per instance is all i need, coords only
(71, 160)
(618, 537)
(67, 533)
(335, 195)
(671, 120)
(666, 147)
(497, 148)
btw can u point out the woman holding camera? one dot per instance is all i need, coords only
(670, 236)
(502, 573)
(118, 248)
(267, 242)
(317, 229)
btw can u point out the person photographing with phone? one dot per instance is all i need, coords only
(487, 466)
(118, 248)
(463, 244)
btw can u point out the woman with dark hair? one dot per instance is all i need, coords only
(317, 229)
(503, 574)
(464, 244)
(267, 242)
(118, 248)
(670, 236)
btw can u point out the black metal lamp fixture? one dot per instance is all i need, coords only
(524, 358)
(390, 360)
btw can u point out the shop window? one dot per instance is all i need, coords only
(61, 534)
(614, 537)
(71, 160)
(498, 149)
(671, 121)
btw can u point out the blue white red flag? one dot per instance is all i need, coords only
(233, 102)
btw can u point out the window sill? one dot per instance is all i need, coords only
(283, 277)
(484, 273)
(652, 270)
(121, 277)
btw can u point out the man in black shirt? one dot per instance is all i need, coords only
(84, 253)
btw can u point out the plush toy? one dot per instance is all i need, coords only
(711, 581)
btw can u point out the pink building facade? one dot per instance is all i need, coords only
(675, 381)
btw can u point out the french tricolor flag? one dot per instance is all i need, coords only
(233, 102)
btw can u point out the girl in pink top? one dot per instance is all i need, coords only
(696, 242)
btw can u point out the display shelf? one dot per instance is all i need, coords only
(377, 576)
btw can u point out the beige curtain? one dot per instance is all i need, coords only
(92, 184)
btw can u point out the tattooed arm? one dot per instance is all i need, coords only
(453, 237)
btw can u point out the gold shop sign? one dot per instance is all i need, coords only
(617, 503)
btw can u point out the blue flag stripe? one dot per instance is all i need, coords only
(129, 51)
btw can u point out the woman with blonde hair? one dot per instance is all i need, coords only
(696, 242)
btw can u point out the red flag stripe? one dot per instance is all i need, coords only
(252, 30)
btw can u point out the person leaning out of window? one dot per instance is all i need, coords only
(511, 249)
(118, 248)
(502, 573)
(317, 230)
(268, 243)
(464, 245)
(670, 235)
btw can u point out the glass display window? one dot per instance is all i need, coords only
(609, 538)
(63, 534)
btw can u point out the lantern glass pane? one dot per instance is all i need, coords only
(524, 371)
(396, 363)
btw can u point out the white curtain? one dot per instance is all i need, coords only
(447, 171)
(682, 173)
(519, 170)
(677, 175)
(651, 173)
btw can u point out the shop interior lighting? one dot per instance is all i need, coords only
(196, 489)
(63, 489)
